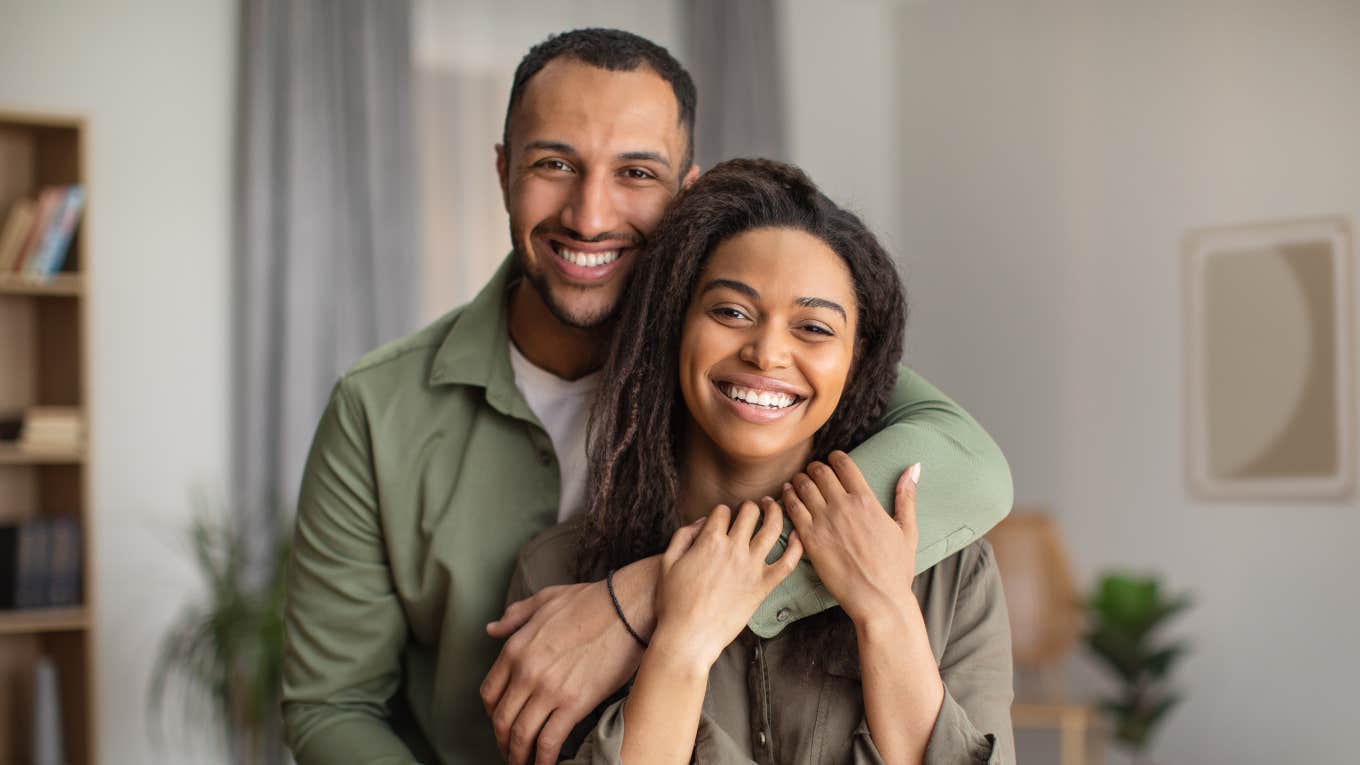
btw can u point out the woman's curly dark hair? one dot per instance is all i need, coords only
(638, 416)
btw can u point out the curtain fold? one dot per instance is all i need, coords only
(326, 231)
(735, 61)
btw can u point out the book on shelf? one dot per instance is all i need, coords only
(40, 564)
(14, 235)
(37, 235)
(52, 427)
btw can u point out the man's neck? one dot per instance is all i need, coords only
(567, 352)
(710, 478)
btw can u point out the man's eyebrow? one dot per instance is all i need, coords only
(645, 156)
(557, 146)
(816, 302)
(733, 285)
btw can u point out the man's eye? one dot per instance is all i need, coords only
(555, 164)
(638, 174)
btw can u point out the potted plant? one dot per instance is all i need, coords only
(1125, 613)
(224, 653)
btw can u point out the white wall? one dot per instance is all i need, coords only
(1052, 157)
(156, 81)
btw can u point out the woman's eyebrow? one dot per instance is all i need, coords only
(732, 284)
(816, 302)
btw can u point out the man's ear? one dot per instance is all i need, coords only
(690, 177)
(503, 172)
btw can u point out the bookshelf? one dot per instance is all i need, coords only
(44, 362)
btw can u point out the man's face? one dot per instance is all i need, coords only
(593, 159)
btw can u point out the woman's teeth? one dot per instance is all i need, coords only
(589, 259)
(765, 398)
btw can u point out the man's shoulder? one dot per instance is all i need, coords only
(407, 359)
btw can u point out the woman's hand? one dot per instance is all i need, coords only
(714, 575)
(865, 557)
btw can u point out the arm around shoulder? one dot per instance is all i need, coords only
(344, 627)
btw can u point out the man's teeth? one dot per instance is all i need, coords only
(765, 398)
(588, 258)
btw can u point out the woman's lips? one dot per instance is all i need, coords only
(755, 413)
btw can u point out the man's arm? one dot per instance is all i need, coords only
(344, 628)
(968, 488)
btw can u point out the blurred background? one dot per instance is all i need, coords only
(275, 187)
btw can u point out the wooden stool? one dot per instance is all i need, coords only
(1072, 721)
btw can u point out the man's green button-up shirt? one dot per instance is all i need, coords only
(427, 474)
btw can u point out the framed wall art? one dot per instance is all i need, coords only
(1270, 358)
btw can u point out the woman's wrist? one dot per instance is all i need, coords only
(886, 617)
(681, 650)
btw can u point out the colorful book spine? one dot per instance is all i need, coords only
(49, 203)
(56, 241)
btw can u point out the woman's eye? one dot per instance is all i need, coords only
(727, 312)
(818, 329)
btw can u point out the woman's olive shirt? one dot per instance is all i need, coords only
(764, 704)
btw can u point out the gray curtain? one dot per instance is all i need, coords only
(326, 250)
(735, 60)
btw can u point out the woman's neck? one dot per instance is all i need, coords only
(710, 478)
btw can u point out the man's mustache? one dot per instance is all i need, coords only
(630, 237)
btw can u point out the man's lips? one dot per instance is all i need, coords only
(592, 262)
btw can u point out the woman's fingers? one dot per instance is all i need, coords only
(798, 512)
(827, 481)
(718, 521)
(848, 473)
(681, 541)
(771, 524)
(809, 493)
(787, 562)
(904, 511)
(744, 525)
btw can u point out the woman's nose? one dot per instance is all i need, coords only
(766, 349)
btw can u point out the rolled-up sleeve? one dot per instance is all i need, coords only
(712, 744)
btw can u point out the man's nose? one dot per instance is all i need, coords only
(590, 211)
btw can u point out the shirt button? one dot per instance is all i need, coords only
(545, 458)
(783, 615)
(760, 738)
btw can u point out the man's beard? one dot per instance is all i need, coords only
(559, 311)
(593, 320)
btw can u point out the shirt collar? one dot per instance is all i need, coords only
(476, 350)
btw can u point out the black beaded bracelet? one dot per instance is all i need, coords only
(618, 609)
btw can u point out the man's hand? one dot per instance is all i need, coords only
(567, 652)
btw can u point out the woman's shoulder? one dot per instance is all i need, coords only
(962, 568)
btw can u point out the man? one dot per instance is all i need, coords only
(441, 454)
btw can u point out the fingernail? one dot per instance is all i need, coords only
(787, 486)
(914, 473)
(767, 498)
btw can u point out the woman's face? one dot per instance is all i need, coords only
(768, 342)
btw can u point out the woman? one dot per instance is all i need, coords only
(762, 330)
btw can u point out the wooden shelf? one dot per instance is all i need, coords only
(61, 285)
(33, 621)
(13, 454)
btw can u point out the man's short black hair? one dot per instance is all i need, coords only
(616, 51)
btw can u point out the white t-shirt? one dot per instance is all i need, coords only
(563, 406)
